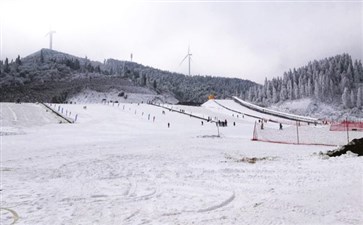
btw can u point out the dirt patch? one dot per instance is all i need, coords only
(10, 133)
(209, 136)
(245, 159)
(5, 169)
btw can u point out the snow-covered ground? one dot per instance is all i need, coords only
(231, 104)
(134, 94)
(116, 165)
(309, 107)
(304, 133)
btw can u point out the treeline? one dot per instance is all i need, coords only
(191, 89)
(336, 80)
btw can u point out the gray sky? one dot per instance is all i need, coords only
(250, 40)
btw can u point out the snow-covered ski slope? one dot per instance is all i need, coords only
(307, 134)
(274, 112)
(234, 109)
(116, 166)
(15, 117)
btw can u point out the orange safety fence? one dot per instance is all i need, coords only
(347, 125)
(303, 135)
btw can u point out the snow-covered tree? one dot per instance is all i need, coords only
(275, 97)
(346, 98)
(317, 89)
(359, 97)
(6, 66)
(290, 90)
(283, 93)
(269, 91)
(352, 98)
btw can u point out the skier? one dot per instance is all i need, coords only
(280, 126)
(201, 122)
(168, 125)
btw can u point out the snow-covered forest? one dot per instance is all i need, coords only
(336, 80)
(68, 75)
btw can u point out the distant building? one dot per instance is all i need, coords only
(210, 97)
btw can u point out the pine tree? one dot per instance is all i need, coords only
(360, 97)
(98, 69)
(346, 98)
(18, 61)
(296, 91)
(283, 93)
(316, 89)
(6, 66)
(290, 91)
(41, 56)
(275, 97)
(268, 91)
(251, 94)
(76, 65)
(356, 72)
(344, 83)
(352, 98)
(154, 84)
(309, 89)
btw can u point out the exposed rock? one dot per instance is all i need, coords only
(355, 146)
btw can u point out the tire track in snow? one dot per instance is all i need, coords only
(207, 209)
(131, 215)
(13, 113)
(13, 213)
(222, 204)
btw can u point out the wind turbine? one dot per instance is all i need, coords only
(50, 33)
(189, 55)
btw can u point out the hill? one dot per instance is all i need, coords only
(53, 76)
(332, 84)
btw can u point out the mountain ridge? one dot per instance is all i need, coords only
(25, 77)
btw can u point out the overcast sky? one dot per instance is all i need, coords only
(250, 40)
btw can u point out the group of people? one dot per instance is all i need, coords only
(222, 123)
(263, 121)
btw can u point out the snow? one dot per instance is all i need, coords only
(116, 166)
(307, 134)
(230, 104)
(275, 112)
(321, 110)
(134, 95)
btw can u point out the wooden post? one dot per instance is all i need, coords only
(346, 121)
(297, 132)
(254, 137)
